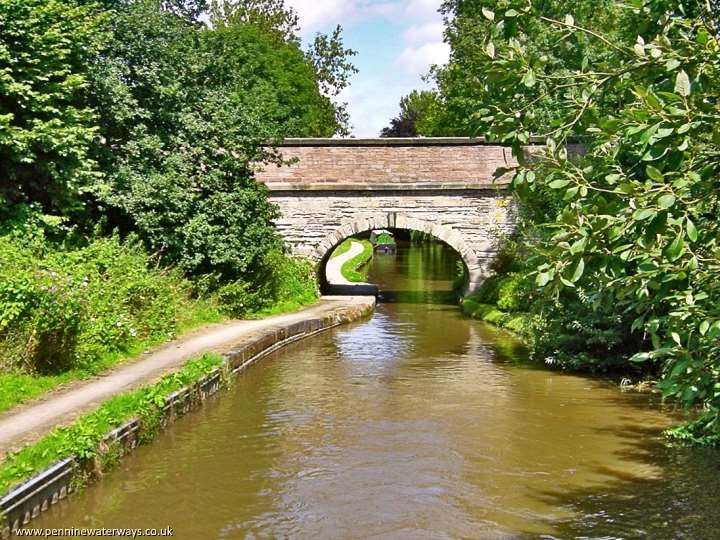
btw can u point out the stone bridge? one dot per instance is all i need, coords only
(336, 188)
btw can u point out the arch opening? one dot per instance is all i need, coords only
(474, 269)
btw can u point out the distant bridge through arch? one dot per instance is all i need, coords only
(337, 188)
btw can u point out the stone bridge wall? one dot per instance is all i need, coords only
(445, 187)
(473, 222)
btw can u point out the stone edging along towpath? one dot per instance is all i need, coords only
(240, 342)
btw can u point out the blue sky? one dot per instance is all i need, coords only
(397, 41)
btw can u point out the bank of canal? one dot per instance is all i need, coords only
(415, 424)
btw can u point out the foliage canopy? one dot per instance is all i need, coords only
(623, 236)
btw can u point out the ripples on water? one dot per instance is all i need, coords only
(414, 424)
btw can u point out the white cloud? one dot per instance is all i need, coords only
(317, 14)
(418, 58)
(320, 15)
(423, 9)
(428, 32)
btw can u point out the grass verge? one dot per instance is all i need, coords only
(84, 438)
(354, 270)
(68, 313)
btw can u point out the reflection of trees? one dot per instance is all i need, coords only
(681, 502)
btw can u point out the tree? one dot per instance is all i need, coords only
(273, 78)
(635, 231)
(178, 144)
(271, 16)
(46, 128)
(416, 116)
(476, 28)
(333, 67)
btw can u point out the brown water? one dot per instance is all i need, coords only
(415, 424)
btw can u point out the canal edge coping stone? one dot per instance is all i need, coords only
(29, 499)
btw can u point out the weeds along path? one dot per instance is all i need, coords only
(31, 421)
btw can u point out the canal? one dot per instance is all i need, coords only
(417, 423)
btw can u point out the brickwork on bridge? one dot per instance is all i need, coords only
(443, 187)
(372, 165)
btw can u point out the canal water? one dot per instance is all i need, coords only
(415, 424)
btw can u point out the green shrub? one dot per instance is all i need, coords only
(577, 335)
(385, 239)
(512, 293)
(285, 284)
(488, 292)
(67, 308)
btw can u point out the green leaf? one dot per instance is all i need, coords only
(641, 357)
(666, 201)
(644, 213)
(682, 83)
(691, 230)
(655, 153)
(578, 246)
(490, 49)
(579, 269)
(714, 331)
(654, 173)
(559, 184)
(675, 249)
(672, 64)
(511, 13)
(542, 279)
(529, 78)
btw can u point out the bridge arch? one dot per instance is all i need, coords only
(392, 220)
(455, 189)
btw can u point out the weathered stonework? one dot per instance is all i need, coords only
(472, 222)
(339, 188)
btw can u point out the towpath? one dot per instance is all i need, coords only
(333, 268)
(29, 422)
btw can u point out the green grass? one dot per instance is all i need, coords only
(82, 438)
(355, 269)
(344, 247)
(19, 388)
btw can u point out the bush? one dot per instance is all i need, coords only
(285, 284)
(513, 292)
(67, 307)
(509, 292)
(385, 239)
(576, 335)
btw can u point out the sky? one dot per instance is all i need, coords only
(396, 40)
